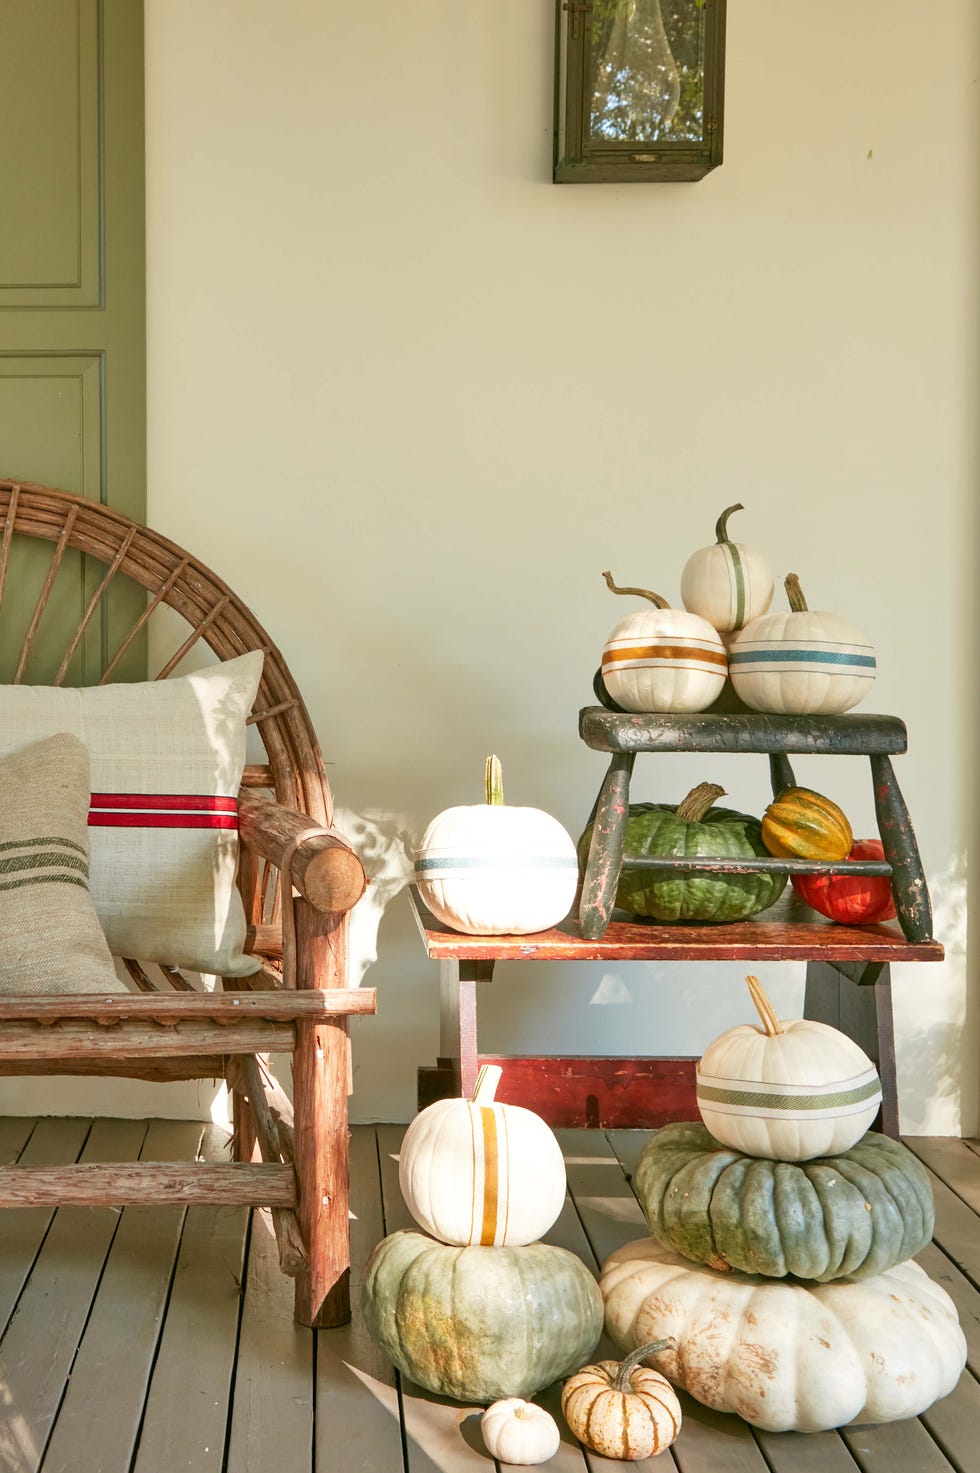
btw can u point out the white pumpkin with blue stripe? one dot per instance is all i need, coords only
(788, 1091)
(481, 1172)
(729, 583)
(491, 870)
(801, 663)
(662, 659)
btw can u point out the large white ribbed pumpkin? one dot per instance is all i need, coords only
(662, 659)
(480, 1172)
(491, 870)
(783, 1356)
(801, 663)
(789, 1091)
(728, 584)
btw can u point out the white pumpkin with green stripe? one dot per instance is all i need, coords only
(662, 659)
(478, 1172)
(491, 870)
(789, 1091)
(728, 583)
(801, 663)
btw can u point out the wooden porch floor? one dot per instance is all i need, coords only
(154, 1340)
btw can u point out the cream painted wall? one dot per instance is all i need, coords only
(412, 398)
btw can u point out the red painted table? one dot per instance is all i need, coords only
(848, 985)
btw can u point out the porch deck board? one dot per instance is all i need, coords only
(162, 1337)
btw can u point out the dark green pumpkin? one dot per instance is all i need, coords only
(481, 1324)
(690, 829)
(846, 1216)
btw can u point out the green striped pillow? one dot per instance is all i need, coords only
(50, 937)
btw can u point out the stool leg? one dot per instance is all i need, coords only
(780, 773)
(901, 851)
(856, 997)
(606, 850)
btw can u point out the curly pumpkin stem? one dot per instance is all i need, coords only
(693, 808)
(493, 782)
(625, 1369)
(795, 594)
(721, 526)
(764, 1008)
(654, 598)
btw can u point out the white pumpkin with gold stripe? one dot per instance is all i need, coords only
(477, 1172)
(662, 659)
(788, 1091)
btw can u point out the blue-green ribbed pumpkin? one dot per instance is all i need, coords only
(692, 828)
(846, 1216)
(481, 1324)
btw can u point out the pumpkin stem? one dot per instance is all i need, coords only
(493, 782)
(764, 1008)
(721, 526)
(625, 1369)
(486, 1084)
(693, 808)
(795, 594)
(640, 592)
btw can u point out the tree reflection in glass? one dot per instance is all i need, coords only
(647, 70)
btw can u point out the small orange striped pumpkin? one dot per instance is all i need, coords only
(802, 824)
(662, 659)
(478, 1172)
(623, 1409)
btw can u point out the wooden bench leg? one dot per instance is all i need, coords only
(856, 997)
(456, 1067)
(321, 1068)
(898, 841)
(606, 849)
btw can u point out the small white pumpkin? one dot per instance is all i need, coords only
(481, 1172)
(728, 584)
(787, 1091)
(662, 659)
(801, 663)
(782, 1356)
(517, 1431)
(491, 870)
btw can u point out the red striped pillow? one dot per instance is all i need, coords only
(166, 762)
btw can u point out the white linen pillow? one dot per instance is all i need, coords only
(166, 764)
(50, 938)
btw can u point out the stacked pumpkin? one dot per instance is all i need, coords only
(780, 1272)
(797, 663)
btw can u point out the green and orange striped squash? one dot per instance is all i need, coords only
(480, 1324)
(802, 824)
(662, 659)
(480, 1172)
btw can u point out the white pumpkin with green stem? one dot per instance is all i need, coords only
(801, 663)
(662, 659)
(789, 1091)
(491, 870)
(517, 1431)
(728, 584)
(481, 1172)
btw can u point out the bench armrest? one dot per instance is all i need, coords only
(325, 869)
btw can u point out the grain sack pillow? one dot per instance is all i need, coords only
(166, 765)
(50, 937)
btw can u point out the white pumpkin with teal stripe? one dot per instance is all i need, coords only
(801, 663)
(788, 1091)
(662, 659)
(478, 1172)
(491, 870)
(729, 584)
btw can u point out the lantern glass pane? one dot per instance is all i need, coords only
(646, 71)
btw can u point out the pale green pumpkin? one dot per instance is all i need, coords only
(852, 1215)
(480, 1324)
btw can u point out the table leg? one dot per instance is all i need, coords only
(856, 997)
(606, 849)
(456, 1067)
(902, 852)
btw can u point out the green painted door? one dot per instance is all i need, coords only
(72, 284)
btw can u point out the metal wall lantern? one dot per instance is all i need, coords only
(639, 90)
